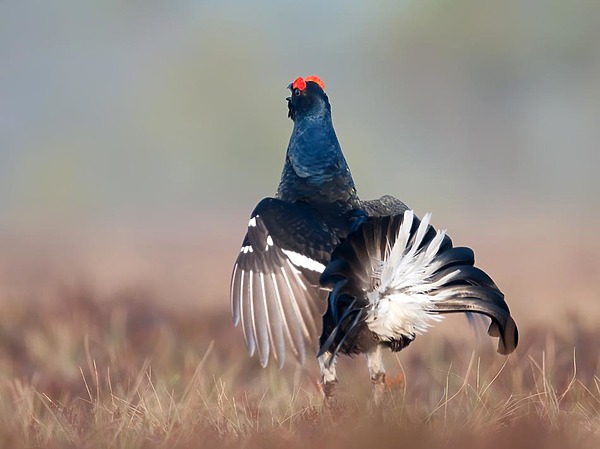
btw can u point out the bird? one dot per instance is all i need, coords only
(324, 273)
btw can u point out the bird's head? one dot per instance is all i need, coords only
(308, 98)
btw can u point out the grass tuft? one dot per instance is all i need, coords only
(124, 372)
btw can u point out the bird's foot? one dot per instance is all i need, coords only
(329, 380)
(328, 387)
(377, 394)
(332, 409)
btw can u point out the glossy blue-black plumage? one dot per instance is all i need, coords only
(291, 237)
(315, 169)
(301, 280)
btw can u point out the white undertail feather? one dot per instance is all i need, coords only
(401, 304)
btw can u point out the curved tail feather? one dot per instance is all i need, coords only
(396, 274)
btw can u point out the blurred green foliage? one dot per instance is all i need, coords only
(115, 109)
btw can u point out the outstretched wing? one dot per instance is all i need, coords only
(275, 291)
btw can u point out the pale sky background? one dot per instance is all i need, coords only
(113, 110)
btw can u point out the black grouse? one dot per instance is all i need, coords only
(322, 272)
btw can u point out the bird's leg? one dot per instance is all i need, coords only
(328, 378)
(377, 373)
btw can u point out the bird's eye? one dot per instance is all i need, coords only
(297, 92)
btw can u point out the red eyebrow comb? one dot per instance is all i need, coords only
(299, 83)
(316, 79)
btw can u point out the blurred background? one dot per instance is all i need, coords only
(136, 137)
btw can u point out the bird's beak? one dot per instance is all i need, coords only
(289, 102)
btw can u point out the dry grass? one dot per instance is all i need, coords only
(84, 372)
(86, 367)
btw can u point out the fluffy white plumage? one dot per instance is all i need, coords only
(400, 304)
